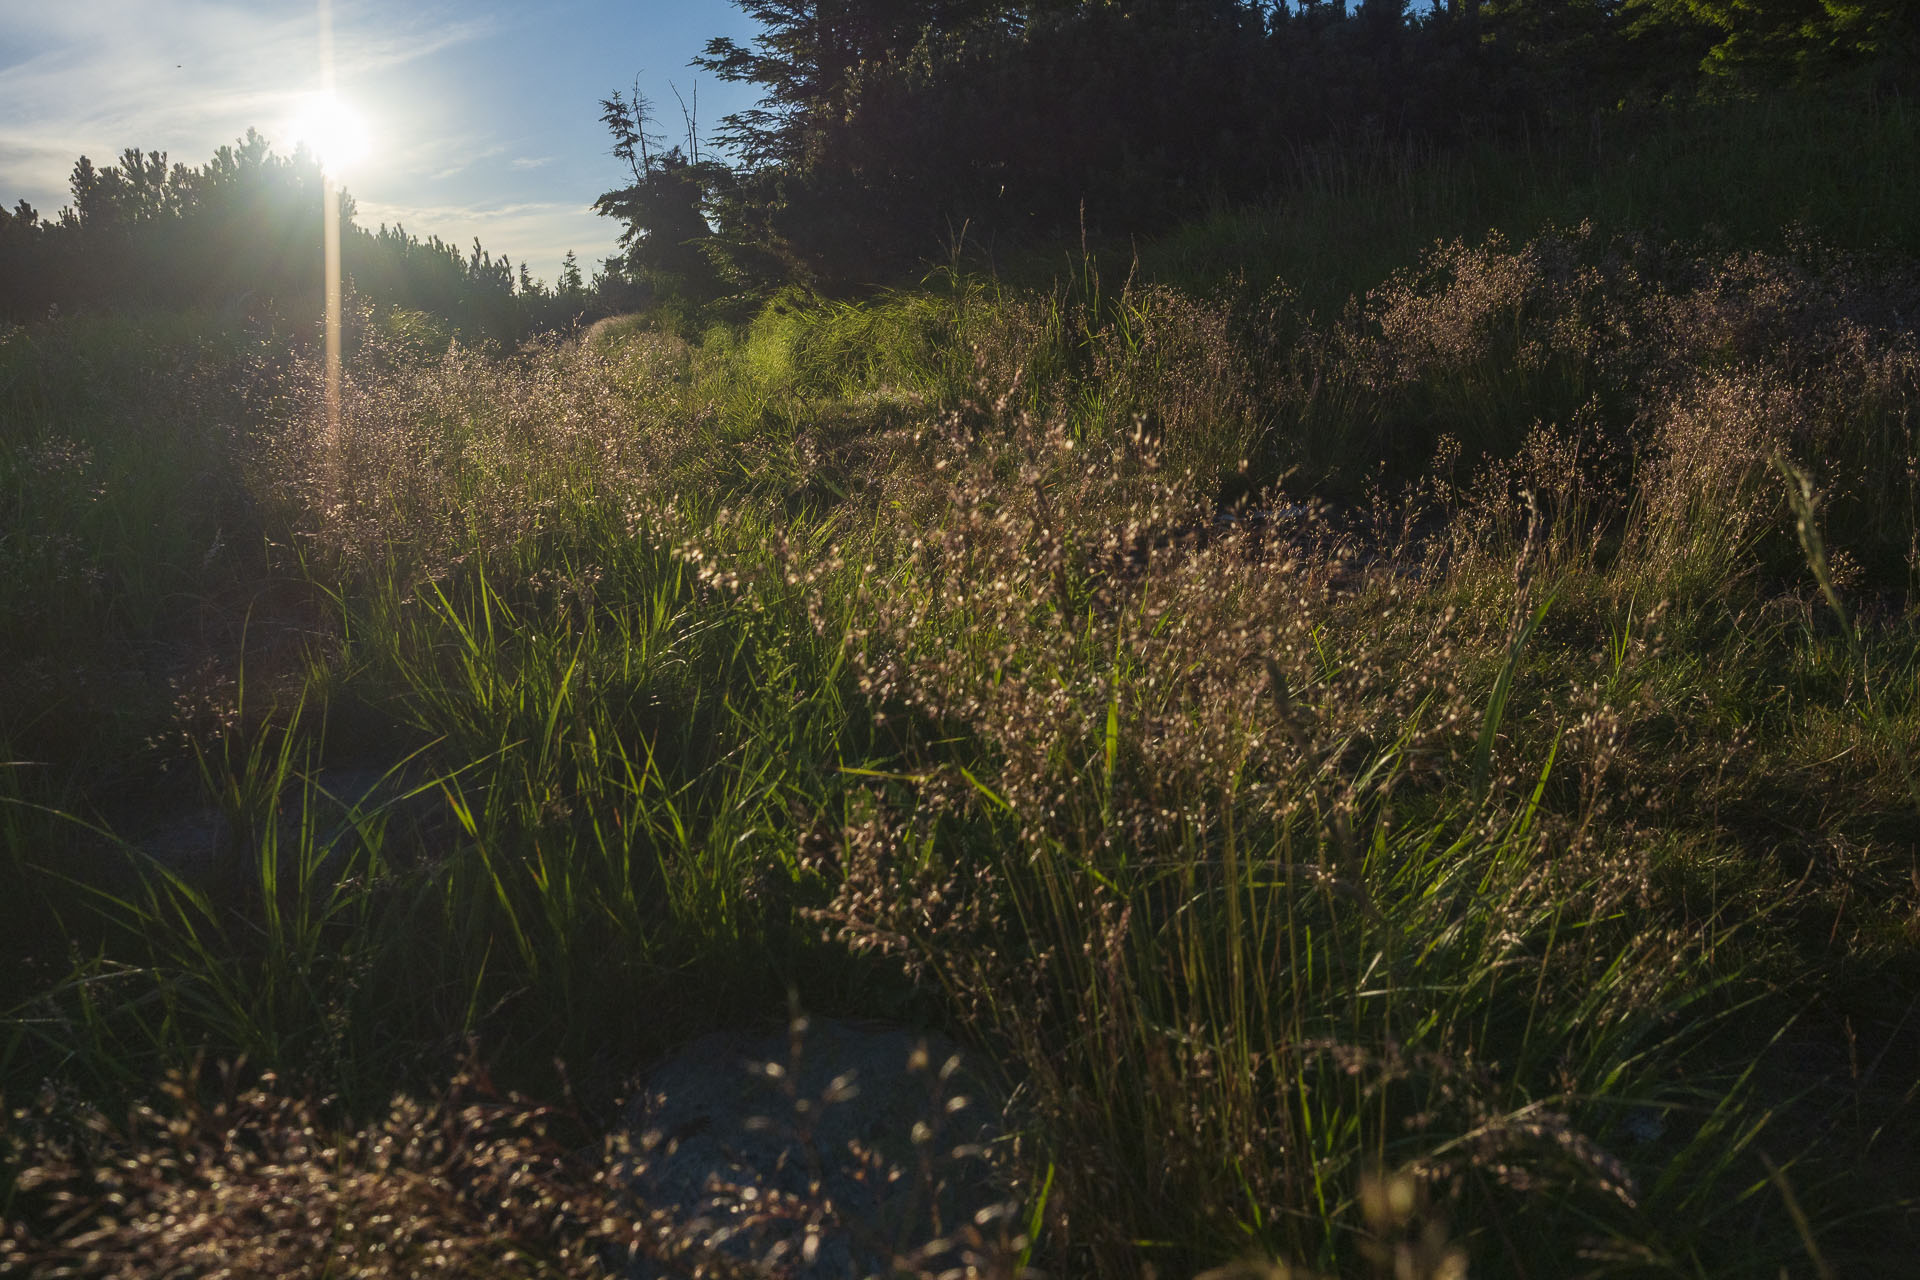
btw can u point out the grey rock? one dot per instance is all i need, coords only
(835, 1150)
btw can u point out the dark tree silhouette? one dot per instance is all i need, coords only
(884, 126)
(244, 229)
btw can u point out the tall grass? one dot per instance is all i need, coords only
(1386, 792)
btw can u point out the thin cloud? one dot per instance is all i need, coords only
(471, 152)
(537, 232)
(186, 76)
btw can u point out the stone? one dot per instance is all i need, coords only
(836, 1149)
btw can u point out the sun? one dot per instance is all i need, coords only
(333, 131)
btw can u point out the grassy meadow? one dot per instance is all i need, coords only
(1390, 719)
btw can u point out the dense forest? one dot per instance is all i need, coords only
(888, 130)
(242, 234)
(1178, 638)
(890, 134)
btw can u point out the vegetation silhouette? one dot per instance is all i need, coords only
(884, 128)
(242, 234)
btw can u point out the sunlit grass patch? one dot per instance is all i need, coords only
(1437, 776)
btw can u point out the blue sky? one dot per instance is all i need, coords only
(483, 116)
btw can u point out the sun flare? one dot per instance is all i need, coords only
(333, 131)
